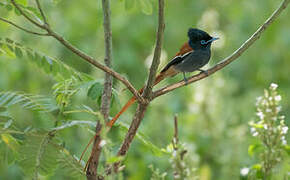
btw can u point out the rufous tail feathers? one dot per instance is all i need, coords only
(159, 78)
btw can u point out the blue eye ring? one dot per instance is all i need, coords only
(203, 42)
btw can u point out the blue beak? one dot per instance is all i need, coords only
(213, 39)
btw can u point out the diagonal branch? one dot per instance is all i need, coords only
(157, 51)
(230, 58)
(82, 55)
(41, 12)
(141, 109)
(23, 29)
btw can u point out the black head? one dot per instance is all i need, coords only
(199, 38)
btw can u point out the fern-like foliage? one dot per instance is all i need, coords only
(27, 101)
(59, 70)
(38, 155)
(71, 165)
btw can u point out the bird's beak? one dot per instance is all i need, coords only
(213, 39)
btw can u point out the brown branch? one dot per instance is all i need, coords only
(175, 136)
(93, 162)
(230, 58)
(107, 92)
(23, 29)
(131, 133)
(92, 170)
(148, 89)
(41, 12)
(157, 51)
(82, 55)
(26, 16)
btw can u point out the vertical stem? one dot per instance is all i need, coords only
(107, 92)
(93, 161)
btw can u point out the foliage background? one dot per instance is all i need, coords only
(213, 113)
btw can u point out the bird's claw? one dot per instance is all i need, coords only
(204, 71)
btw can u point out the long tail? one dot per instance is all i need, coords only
(159, 78)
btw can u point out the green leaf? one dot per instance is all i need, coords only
(27, 101)
(114, 159)
(4, 117)
(95, 91)
(70, 165)
(9, 51)
(9, 7)
(17, 12)
(253, 148)
(2, 108)
(10, 141)
(74, 123)
(38, 155)
(140, 136)
(52, 66)
(129, 4)
(146, 7)
(21, 2)
(287, 149)
(8, 124)
(18, 52)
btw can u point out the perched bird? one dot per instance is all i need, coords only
(193, 55)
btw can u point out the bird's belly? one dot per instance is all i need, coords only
(192, 64)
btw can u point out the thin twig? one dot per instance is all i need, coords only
(23, 29)
(26, 16)
(107, 91)
(175, 137)
(41, 12)
(230, 58)
(157, 51)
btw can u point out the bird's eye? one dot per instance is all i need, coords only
(203, 42)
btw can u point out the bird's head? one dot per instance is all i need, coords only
(199, 38)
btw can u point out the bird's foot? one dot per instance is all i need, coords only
(185, 79)
(204, 71)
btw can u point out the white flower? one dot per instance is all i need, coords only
(281, 117)
(253, 130)
(174, 153)
(103, 143)
(268, 110)
(274, 118)
(260, 115)
(244, 171)
(278, 98)
(278, 109)
(284, 130)
(255, 134)
(265, 126)
(258, 100)
(273, 86)
(284, 142)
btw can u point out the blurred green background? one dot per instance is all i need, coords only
(213, 113)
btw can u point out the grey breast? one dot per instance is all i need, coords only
(193, 61)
